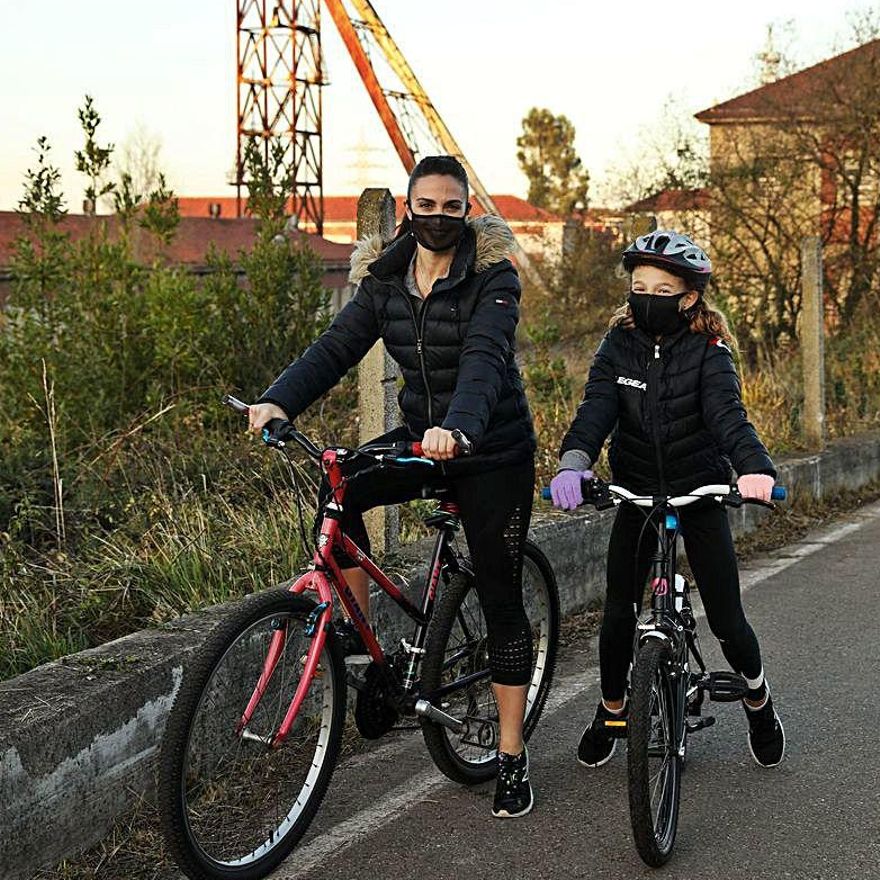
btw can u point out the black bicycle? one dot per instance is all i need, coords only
(669, 681)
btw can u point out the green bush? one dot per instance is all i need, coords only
(128, 495)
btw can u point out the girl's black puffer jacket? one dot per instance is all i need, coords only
(674, 411)
(455, 349)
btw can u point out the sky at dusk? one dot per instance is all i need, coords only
(168, 68)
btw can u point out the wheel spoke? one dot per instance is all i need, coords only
(470, 755)
(241, 798)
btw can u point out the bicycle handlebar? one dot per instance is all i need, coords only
(278, 432)
(597, 491)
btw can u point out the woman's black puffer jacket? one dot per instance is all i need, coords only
(455, 348)
(674, 411)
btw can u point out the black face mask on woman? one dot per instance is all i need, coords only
(437, 232)
(658, 315)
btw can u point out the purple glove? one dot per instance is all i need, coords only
(566, 490)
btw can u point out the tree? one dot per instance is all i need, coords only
(42, 199)
(139, 156)
(557, 179)
(93, 160)
(270, 183)
(40, 258)
(137, 165)
(672, 152)
(810, 167)
(161, 215)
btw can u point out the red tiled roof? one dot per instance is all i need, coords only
(343, 209)
(672, 200)
(194, 237)
(796, 92)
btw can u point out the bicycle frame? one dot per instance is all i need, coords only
(671, 618)
(326, 578)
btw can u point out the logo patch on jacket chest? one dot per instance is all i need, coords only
(633, 383)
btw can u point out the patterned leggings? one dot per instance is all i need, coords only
(496, 507)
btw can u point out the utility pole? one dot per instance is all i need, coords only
(812, 333)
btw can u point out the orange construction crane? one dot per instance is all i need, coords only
(410, 118)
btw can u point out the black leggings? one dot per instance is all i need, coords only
(709, 547)
(496, 507)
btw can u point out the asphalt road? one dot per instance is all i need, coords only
(816, 608)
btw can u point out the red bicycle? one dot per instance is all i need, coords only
(255, 730)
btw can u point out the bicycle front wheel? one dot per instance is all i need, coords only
(457, 664)
(654, 765)
(233, 803)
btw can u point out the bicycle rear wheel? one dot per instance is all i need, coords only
(456, 649)
(654, 765)
(234, 806)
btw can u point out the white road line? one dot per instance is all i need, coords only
(369, 820)
(360, 825)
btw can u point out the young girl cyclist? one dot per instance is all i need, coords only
(445, 299)
(663, 383)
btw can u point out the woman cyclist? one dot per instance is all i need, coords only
(663, 383)
(444, 297)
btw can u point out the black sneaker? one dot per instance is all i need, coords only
(599, 739)
(766, 734)
(513, 791)
(349, 637)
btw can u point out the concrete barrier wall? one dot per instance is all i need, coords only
(78, 737)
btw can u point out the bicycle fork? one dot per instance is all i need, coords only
(316, 626)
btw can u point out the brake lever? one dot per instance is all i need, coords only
(735, 500)
(462, 442)
(598, 495)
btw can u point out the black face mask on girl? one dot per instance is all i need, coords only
(658, 315)
(437, 232)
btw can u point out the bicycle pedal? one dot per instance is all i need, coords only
(704, 722)
(724, 687)
(481, 732)
(616, 727)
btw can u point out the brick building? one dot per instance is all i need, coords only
(194, 238)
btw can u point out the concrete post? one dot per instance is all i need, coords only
(377, 379)
(812, 333)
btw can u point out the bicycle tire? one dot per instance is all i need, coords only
(654, 835)
(197, 747)
(473, 765)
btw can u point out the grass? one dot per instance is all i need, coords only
(178, 541)
(178, 511)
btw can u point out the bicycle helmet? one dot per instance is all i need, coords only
(667, 248)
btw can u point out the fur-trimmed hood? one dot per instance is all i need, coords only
(494, 242)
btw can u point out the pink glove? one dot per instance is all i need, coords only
(566, 490)
(755, 486)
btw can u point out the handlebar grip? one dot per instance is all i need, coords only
(274, 428)
(546, 494)
(416, 449)
(779, 493)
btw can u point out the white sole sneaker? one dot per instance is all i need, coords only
(503, 814)
(604, 760)
(775, 763)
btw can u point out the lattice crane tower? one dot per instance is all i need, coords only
(280, 76)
